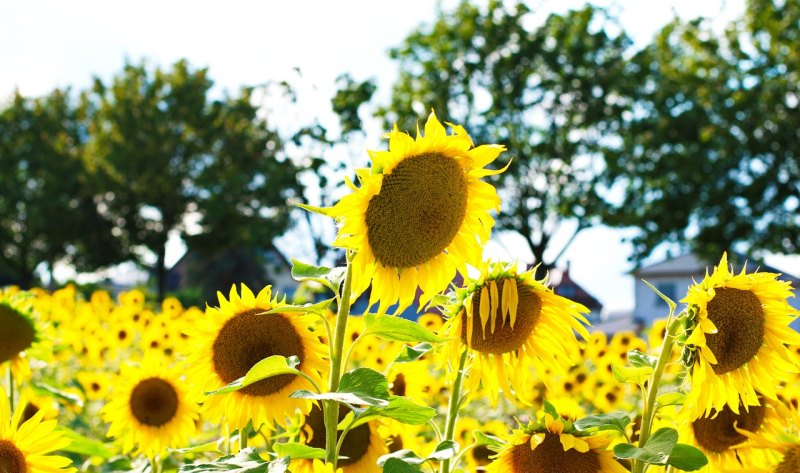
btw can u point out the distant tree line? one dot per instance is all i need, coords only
(692, 138)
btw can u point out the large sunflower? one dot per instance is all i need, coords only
(738, 339)
(360, 451)
(151, 409)
(420, 214)
(231, 339)
(511, 322)
(554, 446)
(24, 446)
(722, 435)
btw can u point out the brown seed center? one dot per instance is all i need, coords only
(718, 434)
(355, 444)
(154, 402)
(12, 460)
(420, 207)
(504, 339)
(739, 319)
(549, 456)
(248, 338)
(791, 461)
(399, 385)
(16, 333)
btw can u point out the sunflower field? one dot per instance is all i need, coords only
(499, 374)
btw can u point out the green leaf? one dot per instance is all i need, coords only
(400, 409)
(671, 399)
(687, 458)
(43, 389)
(298, 451)
(641, 360)
(405, 455)
(84, 445)
(443, 451)
(246, 461)
(361, 386)
(275, 365)
(629, 374)
(656, 451)
(672, 305)
(551, 409)
(202, 448)
(408, 353)
(329, 277)
(318, 210)
(614, 421)
(488, 440)
(396, 465)
(397, 329)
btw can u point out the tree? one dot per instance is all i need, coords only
(161, 152)
(554, 95)
(46, 214)
(710, 157)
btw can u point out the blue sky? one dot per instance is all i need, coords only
(48, 44)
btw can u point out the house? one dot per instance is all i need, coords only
(568, 288)
(673, 276)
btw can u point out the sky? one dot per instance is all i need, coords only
(49, 44)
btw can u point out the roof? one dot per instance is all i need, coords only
(571, 290)
(690, 264)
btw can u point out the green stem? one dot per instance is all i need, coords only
(455, 403)
(244, 432)
(673, 325)
(331, 408)
(11, 389)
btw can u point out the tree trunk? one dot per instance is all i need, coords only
(161, 271)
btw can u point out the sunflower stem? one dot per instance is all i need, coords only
(455, 403)
(673, 325)
(331, 408)
(244, 432)
(11, 389)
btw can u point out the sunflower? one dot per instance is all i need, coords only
(231, 339)
(554, 445)
(151, 408)
(24, 446)
(741, 326)
(18, 332)
(723, 435)
(511, 320)
(420, 214)
(360, 451)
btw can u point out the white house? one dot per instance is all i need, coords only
(674, 276)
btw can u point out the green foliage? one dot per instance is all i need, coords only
(397, 329)
(554, 95)
(361, 386)
(47, 213)
(275, 365)
(662, 449)
(246, 461)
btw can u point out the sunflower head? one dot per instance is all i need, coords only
(506, 318)
(554, 444)
(231, 339)
(736, 339)
(151, 408)
(17, 331)
(420, 214)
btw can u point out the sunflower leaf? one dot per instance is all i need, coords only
(395, 465)
(399, 408)
(409, 353)
(84, 445)
(319, 308)
(443, 451)
(329, 277)
(397, 329)
(268, 367)
(488, 440)
(671, 399)
(246, 461)
(298, 451)
(656, 451)
(629, 374)
(614, 421)
(687, 458)
(404, 455)
(361, 386)
(641, 360)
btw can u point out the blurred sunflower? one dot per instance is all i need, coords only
(741, 326)
(151, 408)
(554, 445)
(231, 339)
(360, 451)
(722, 435)
(24, 446)
(420, 214)
(511, 321)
